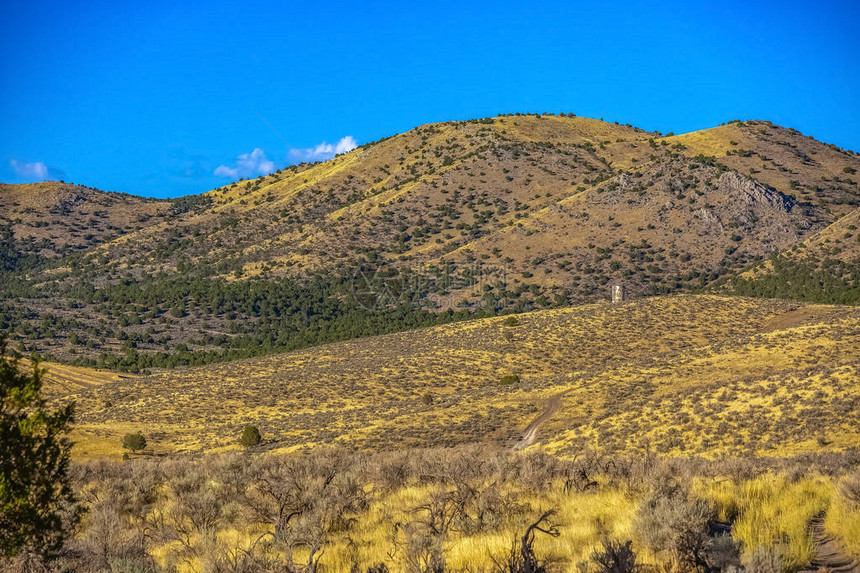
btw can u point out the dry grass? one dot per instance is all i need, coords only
(465, 505)
(62, 379)
(51, 218)
(843, 516)
(677, 375)
(773, 510)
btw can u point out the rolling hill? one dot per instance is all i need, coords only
(677, 375)
(441, 190)
(52, 219)
(443, 222)
(420, 326)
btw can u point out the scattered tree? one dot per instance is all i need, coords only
(134, 442)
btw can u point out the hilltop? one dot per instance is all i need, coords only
(443, 222)
(447, 190)
(52, 219)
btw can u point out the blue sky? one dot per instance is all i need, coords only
(155, 98)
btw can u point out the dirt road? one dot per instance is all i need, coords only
(530, 434)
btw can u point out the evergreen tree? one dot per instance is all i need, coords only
(36, 500)
(9, 254)
(134, 442)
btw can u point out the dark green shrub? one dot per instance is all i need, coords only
(509, 379)
(134, 442)
(250, 436)
(511, 321)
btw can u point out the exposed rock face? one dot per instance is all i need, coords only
(709, 218)
(753, 192)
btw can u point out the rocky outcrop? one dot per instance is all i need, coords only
(709, 218)
(754, 193)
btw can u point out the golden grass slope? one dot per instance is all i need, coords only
(61, 379)
(839, 241)
(677, 375)
(448, 175)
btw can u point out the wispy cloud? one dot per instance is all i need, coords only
(36, 171)
(247, 165)
(324, 151)
(256, 162)
(186, 164)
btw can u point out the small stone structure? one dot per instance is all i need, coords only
(619, 294)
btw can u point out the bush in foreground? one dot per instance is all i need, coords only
(36, 500)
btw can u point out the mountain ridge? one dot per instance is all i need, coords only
(501, 214)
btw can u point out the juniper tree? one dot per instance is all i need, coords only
(36, 499)
(134, 442)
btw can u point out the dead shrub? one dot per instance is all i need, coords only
(522, 558)
(615, 557)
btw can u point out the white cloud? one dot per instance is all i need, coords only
(37, 170)
(346, 144)
(256, 162)
(324, 151)
(247, 165)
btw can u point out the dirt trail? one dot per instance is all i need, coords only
(530, 435)
(798, 317)
(829, 553)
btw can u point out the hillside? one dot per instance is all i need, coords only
(782, 158)
(429, 344)
(440, 223)
(825, 267)
(673, 375)
(435, 191)
(51, 219)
